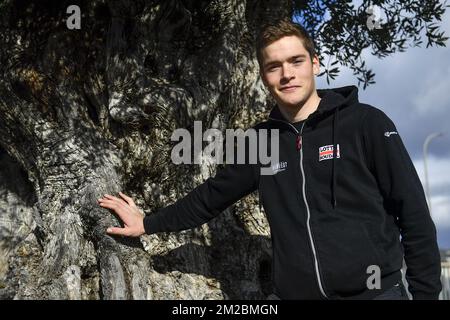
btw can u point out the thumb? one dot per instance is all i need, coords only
(117, 231)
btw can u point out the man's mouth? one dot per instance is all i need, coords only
(289, 88)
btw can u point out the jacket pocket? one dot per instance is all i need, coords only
(345, 252)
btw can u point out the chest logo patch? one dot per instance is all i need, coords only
(281, 166)
(326, 152)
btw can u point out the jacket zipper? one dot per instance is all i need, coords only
(299, 144)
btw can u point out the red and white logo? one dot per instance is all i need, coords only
(326, 152)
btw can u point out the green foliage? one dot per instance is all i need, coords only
(341, 31)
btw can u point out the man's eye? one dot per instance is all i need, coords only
(298, 61)
(272, 68)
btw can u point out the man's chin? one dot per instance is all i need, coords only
(295, 104)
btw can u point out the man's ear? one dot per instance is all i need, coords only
(316, 65)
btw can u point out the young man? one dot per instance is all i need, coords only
(347, 192)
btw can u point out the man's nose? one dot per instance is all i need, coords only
(287, 72)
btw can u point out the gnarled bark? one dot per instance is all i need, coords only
(91, 111)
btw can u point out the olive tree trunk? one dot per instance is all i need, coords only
(89, 111)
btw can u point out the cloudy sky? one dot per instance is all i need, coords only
(413, 89)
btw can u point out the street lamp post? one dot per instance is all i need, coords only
(425, 151)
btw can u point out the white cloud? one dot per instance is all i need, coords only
(441, 211)
(438, 172)
(439, 180)
(441, 218)
(417, 80)
(433, 95)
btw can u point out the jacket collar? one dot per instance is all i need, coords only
(330, 100)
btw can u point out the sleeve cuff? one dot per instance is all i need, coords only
(152, 223)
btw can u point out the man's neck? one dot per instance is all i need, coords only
(301, 112)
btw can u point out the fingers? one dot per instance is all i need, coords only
(127, 199)
(110, 197)
(110, 204)
(117, 206)
(117, 231)
(122, 208)
(111, 200)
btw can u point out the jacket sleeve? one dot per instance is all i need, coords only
(206, 201)
(404, 197)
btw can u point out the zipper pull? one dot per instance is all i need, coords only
(298, 142)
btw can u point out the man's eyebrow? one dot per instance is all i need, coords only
(298, 56)
(268, 63)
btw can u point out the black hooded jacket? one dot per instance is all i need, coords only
(344, 204)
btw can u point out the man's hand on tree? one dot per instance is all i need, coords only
(127, 211)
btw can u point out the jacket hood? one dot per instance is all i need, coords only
(331, 99)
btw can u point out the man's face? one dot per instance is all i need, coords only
(288, 72)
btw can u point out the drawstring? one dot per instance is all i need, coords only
(335, 150)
